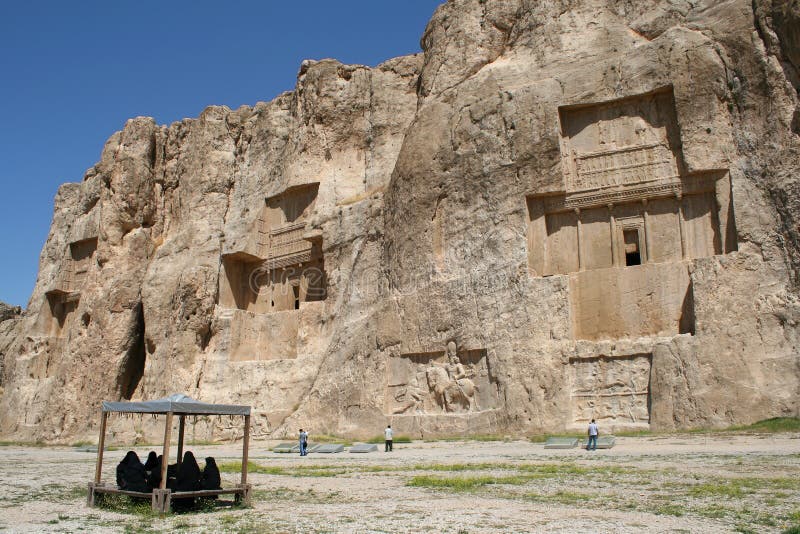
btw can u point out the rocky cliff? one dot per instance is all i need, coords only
(560, 210)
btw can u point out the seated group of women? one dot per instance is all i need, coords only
(133, 475)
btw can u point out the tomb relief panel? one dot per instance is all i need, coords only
(76, 266)
(58, 313)
(618, 148)
(611, 390)
(444, 382)
(281, 228)
(666, 229)
(81, 254)
(62, 299)
(288, 269)
(621, 159)
(259, 288)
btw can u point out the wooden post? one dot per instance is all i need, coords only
(165, 452)
(245, 448)
(180, 439)
(98, 470)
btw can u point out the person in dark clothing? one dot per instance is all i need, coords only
(131, 475)
(188, 479)
(154, 478)
(211, 478)
(152, 460)
(150, 464)
(154, 473)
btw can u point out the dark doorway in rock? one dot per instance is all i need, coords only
(632, 250)
(296, 290)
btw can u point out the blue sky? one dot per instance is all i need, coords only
(72, 73)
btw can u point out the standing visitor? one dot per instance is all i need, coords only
(388, 436)
(592, 444)
(303, 442)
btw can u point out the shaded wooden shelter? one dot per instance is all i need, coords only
(172, 406)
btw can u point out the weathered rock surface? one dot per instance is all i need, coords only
(8, 312)
(560, 210)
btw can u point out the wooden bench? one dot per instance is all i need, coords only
(161, 499)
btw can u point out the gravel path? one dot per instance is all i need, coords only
(686, 483)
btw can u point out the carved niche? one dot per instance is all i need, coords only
(611, 390)
(63, 298)
(282, 266)
(627, 199)
(440, 382)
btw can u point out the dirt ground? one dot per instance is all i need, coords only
(683, 483)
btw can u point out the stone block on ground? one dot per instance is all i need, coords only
(561, 443)
(603, 442)
(328, 448)
(285, 447)
(364, 447)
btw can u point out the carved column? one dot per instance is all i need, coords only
(681, 226)
(613, 224)
(647, 248)
(580, 253)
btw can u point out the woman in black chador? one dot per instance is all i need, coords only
(210, 480)
(131, 475)
(188, 479)
(151, 462)
(152, 468)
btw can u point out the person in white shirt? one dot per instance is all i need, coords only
(593, 433)
(387, 434)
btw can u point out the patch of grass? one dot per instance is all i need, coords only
(463, 483)
(634, 433)
(768, 426)
(468, 437)
(559, 497)
(774, 425)
(712, 511)
(294, 471)
(712, 489)
(792, 530)
(138, 528)
(669, 509)
(126, 505)
(395, 439)
(252, 467)
(336, 440)
(459, 467)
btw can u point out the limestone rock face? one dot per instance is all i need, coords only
(8, 312)
(557, 212)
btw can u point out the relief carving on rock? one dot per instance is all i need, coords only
(611, 389)
(441, 382)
